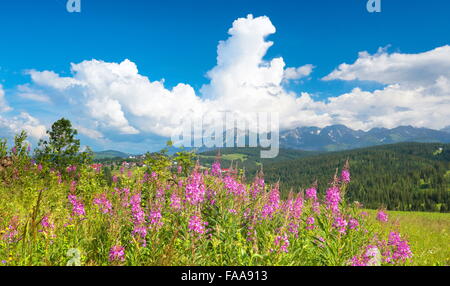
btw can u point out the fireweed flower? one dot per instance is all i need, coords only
(103, 203)
(311, 194)
(211, 195)
(400, 248)
(195, 189)
(77, 206)
(345, 176)
(297, 208)
(117, 253)
(233, 187)
(293, 228)
(340, 224)
(333, 199)
(258, 187)
(175, 201)
(136, 209)
(371, 257)
(382, 216)
(46, 223)
(310, 223)
(196, 225)
(216, 170)
(274, 203)
(353, 223)
(156, 219)
(71, 169)
(282, 243)
(138, 219)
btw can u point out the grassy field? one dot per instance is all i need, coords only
(428, 234)
(228, 157)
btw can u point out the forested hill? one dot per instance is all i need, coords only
(405, 176)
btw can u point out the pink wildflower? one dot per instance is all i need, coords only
(340, 224)
(310, 223)
(195, 189)
(175, 201)
(103, 203)
(345, 176)
(197, 225)
(282, 243)
(117, 253)
(311, 194)
(333, 198)
(77, 206)
(382, 216)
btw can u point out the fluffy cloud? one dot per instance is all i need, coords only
(114, 98)
(9, 125)
(406, 69)
(298, 73)
(23, 121)
(417, 90)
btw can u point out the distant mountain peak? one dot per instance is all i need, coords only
(340, 137)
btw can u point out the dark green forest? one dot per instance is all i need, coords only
(405, 177)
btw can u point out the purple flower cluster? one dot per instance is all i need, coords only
(282, 243)
(216, 170)
(46, 223)
(77, 206)
(71, 169)
(353, 223)
(195, 189)
(400, 248)
(311, 194)
(370, 257)
(340, 224)
(233, 187)
(117, 253)
(196, 225)
(156, 219)
(273, 204)
(382, 216)
(310, 221)
(258, 187)
(103, 203)
(175, 201)
(345, 176)
(333, 198)
(138, 217)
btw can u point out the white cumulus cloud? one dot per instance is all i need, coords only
(116, 99)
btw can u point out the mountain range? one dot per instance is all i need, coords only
(335, 138)
(340, 137)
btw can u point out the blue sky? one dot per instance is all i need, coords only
(177, 41)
